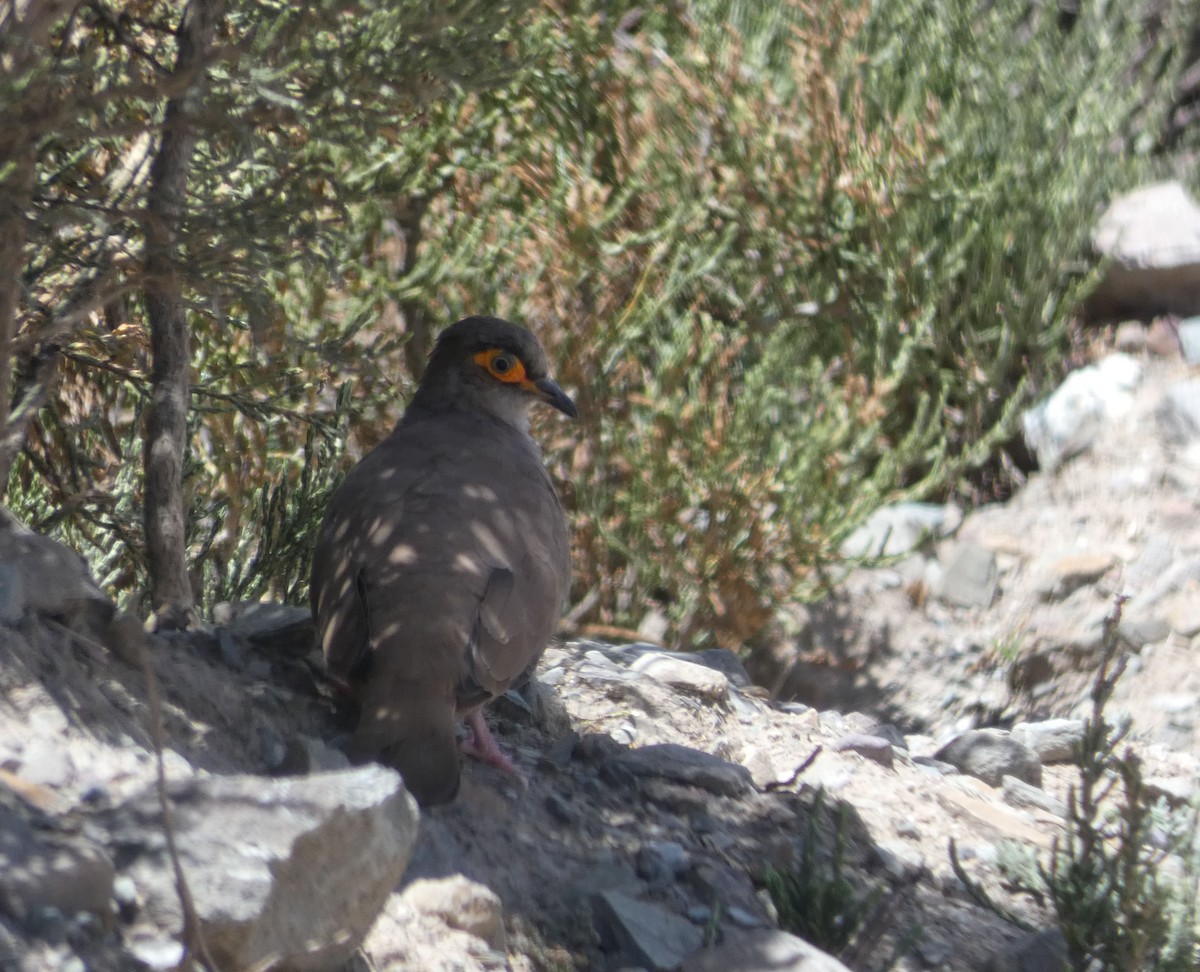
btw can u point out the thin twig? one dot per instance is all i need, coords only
(614, 631)
(796, 773)
(976, 891)
(586, 603)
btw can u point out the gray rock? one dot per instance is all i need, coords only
(743, 918)
(763, 951)
(54, 581)
(719, 884)
(1179, 412)
(1017, 793)
(303, 755)
(971, 577)
(609, 875)
(276, 627)
(1130, 337)
(724, 661)
(1176, 791)
(885, 730)
(875, 748)
(902, 862)
(66, 874)
(292, 872)
(683, 676)
(662, 861)
(1152, 236)
(934, 952)
(1054, 740)
(1144, 630)
(990, 755)
(690, 766)
(560, 809)
(12, 594)
(1175, 577)
(1072, 571)
(718, 659)
(1069, 421)
(900, 529)
(1042, 951)
(1189, 339)
(1158, 553)
(643, 932)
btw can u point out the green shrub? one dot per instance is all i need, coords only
(794, 259)
(815, 899)
(1117, 904)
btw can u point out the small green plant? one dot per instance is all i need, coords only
(1116, 905)
(815, 899)
(1008, 647)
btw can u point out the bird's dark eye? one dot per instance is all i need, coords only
(502, 365)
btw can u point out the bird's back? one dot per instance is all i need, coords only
(443, 558)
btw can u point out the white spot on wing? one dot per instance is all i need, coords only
(403, 553)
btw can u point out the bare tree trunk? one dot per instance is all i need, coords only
(416, 321)
(166, 425)
(15, 192)
(27, 29)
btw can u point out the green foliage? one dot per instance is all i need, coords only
(791, 280)
(815, 900)
(1107, 879)
(794, 260)
(297, 95)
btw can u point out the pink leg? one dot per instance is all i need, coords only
(482, 745)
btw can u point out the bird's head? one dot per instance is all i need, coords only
(492, 365)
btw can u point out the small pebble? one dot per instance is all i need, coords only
(625, 734)
(158, 954)
(554, 676)
(662, 861)
(741, 917)
(125, 893)
(875, 748)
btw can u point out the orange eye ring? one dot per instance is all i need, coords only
(502, 365)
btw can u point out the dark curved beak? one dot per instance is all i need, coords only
(551, 394)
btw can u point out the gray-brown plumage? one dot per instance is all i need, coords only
(442, 565)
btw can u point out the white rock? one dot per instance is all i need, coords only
(1054, 740)
(1073, 417)
(461, 903)
(286, 872)
(1155, 225)
(646, 933)
(684, 676)
(901, 528)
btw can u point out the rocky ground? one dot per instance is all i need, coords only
(657, 788)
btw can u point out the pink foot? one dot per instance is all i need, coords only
(482, 745)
